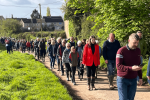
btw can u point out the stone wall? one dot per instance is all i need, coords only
(66, 22)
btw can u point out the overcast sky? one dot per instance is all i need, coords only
(9, 7)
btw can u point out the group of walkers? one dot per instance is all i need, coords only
(74, 55)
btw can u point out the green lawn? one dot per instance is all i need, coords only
(23, 78)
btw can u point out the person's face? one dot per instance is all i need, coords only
(71, 39)
(133, 43)
(140, 35)
(74, 50)
(111, 38)
(93, 40)
(79, 44)
(63, 43)
(68, 46)
(87, 42)
(53, 42)
(58, 40)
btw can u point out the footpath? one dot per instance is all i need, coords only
(80, 91)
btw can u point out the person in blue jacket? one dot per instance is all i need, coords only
(52, 53)
(148, 71)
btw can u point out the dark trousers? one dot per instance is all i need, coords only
(52, 63)
(61, 66)
(68, 69)
(43, 52)
(91, 70)
(73, 70)
(28, 48)
(23, 49)
(8, 49)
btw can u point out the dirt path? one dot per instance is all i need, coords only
(80, 91)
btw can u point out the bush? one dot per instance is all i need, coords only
(102, 62)
(23, 78)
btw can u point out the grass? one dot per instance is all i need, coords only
(23, 78)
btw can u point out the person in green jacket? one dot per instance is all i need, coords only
(143, 47)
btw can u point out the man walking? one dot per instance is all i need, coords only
(128, 67)
(110, 49)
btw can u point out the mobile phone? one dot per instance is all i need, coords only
(141, 65)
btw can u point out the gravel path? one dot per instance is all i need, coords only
(80, 91)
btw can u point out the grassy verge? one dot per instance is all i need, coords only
(23, 78)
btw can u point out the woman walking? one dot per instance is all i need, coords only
(91, 60)
(52, 53)
(65, 60)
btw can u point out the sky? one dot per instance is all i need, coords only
(24, 8)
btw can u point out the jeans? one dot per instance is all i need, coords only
(52, 63)
(111, 67)
(126, 88)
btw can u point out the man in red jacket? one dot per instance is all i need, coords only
(128, 67)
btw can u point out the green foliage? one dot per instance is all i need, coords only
(9, 27)
(102, 62)
(48, 12)
(144, 69)
(23, 78)
(45, 34)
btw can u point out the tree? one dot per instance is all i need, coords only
(10, 26)
(48, 12)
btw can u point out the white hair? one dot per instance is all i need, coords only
(59, 38)
(97, 42)
(67, 44)
(79, 42)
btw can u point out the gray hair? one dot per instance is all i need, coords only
(67, 44)
(134, 36)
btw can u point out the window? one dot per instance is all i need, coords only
(60, 23)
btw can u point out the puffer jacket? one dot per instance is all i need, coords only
(65, 56)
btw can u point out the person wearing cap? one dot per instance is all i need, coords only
(110, 48)
(128, 67)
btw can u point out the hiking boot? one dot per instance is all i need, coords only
(74, 83)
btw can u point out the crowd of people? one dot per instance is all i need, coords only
(75, 55)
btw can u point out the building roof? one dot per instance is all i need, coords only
(1, 17)
(53, 18)
(19, 19)
(26, 20)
